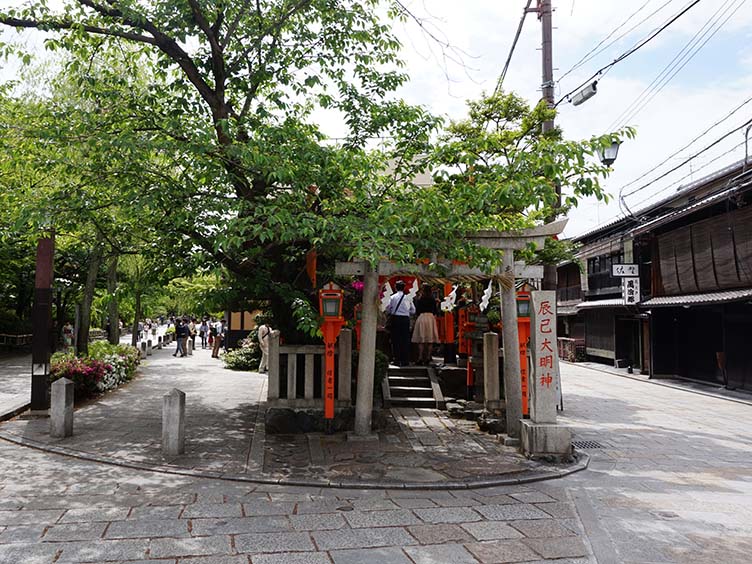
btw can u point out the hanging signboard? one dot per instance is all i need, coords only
(631, 290)
(625, 270)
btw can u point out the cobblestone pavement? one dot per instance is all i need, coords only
(672, 482)
(225, 434)
(15, 382)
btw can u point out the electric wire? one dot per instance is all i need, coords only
(623, 216)
(604, 69)
(511, 50)
(691, 173)
(682, 58)
(688, 159)
(592, 53)
(692, 142)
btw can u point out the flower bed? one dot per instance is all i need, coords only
(107, 367)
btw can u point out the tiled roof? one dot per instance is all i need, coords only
(699, 299)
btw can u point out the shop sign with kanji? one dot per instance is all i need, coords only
(631, 291)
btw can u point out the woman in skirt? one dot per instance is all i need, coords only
(425, 333)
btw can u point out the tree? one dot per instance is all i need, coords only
(231, 117)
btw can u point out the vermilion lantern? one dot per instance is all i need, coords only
(330, 302)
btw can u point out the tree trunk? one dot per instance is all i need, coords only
(91, 283)
(112, 306)
(136, 317)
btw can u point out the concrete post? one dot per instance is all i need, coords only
(173, 423)
(512, 383)
(142, 349)
(345, 365)
(545, 358)
(189, 346)
(367, 358)
(61, 409)
(149, 348)
(159, 342)
(272, 390)
(541, 435)
(492, 393)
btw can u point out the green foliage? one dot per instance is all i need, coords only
(86, 373)
(243, 358)
(105, 368)
(247, 356)
(380, 367)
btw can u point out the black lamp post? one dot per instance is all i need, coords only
(608, 154)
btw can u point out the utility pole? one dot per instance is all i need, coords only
(543, 9)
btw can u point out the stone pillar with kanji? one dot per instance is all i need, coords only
(541, 435)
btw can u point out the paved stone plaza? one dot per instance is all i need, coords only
(225, 435)
(672, 482)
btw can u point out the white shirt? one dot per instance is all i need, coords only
(406, 307)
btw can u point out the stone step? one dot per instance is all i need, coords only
(421, 381)
(413, 402)
(408, 371)
(409, 391)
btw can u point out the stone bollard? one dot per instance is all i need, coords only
(61, 409)
(149, 348)
(189, 346)
(173, 423)
(142, 349)
(159, 342)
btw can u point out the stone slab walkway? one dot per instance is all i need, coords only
(225, 436)
(15, 384)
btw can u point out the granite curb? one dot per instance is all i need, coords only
(14, 410)
(516, 478)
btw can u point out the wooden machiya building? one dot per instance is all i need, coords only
(692, 317)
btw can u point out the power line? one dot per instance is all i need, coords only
(629, 52)
(682, 58)
(511, 51)
(691, 173)
(587, 56)
(688, 159)
(692, 142)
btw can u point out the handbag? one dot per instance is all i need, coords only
(390, 316)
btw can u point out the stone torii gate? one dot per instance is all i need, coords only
(506, 241)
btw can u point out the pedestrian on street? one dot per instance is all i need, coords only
(218, 338)
(68, 336)
(400, 309)
(264, 331)
(192, 332)
(181, 335)
(203, 332)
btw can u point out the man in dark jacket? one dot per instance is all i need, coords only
(181, 335)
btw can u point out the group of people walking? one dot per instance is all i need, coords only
(210, 331)
(424, 333)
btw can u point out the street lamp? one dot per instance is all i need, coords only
(608, 155)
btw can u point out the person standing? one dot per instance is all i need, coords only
(218, 337)
(425, 333)
(181, 335)
(68, 336)
(203, 332)
(400, 308)
(264, 331)
(192, 332)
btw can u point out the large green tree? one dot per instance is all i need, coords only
(227, 106)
